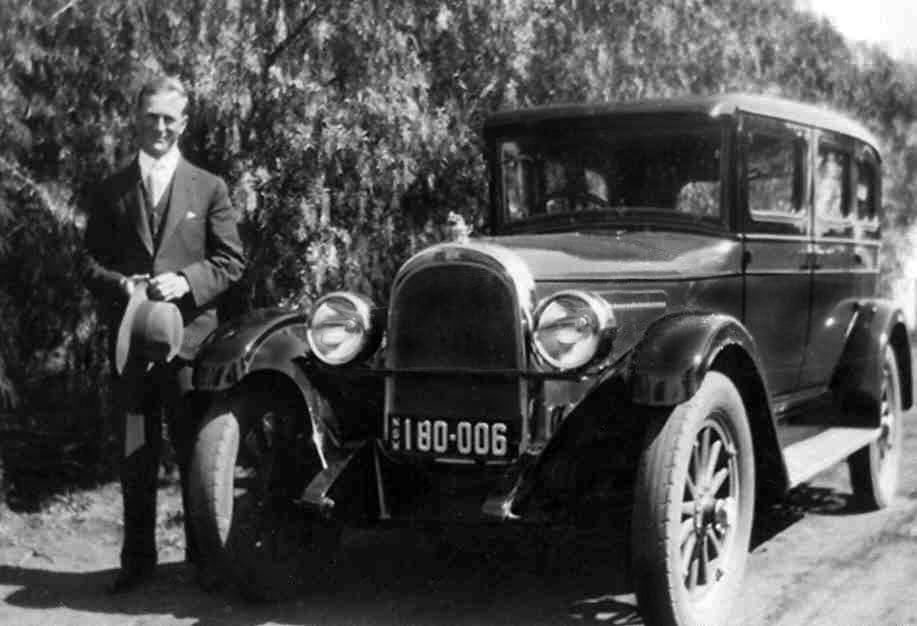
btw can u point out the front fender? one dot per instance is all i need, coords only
(675, 353)
(266, 339)
(274, 341)
(271, 341)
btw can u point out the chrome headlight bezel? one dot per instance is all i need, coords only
(347, 318)
(588, 321)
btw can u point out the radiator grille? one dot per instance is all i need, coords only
(456, 319)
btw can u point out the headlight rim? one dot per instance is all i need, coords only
(605, 331)
(366, 316)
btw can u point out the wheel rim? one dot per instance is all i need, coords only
(709, 507)
(886, 445)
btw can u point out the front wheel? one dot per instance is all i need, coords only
(252, 459)
(693, 507)
(875, 469)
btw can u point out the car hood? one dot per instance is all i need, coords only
(621, 255)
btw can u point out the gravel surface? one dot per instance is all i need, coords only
(815, 562)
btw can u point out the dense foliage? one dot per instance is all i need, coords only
(348, 130)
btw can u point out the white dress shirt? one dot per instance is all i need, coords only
(156, 173)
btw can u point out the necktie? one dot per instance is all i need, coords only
(153, 185)
(151, 182)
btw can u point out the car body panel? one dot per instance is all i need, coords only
(786, 310)
(713, 106)
(266, 339)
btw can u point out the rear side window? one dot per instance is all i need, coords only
(775, 176)
(831, 197)
(866, 196)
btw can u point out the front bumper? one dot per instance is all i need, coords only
(368, 485)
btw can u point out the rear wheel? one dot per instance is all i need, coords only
(693, 508)
(252, 459)
(875, 470)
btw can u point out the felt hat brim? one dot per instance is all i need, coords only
(139, 313)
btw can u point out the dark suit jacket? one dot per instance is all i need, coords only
(199, 239)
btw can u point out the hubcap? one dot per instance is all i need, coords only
(709, 508)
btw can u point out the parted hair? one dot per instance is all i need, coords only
(161, 84)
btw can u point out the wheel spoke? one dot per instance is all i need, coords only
(693, 573)
(718, 479)
(686, 532)
(688, 554)
(689, 483)
(704, 453)
(703, 559)
(687, 508)
(712, 460)
(715, 540)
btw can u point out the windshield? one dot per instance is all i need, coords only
(620, 173)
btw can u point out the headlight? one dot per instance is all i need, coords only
(573, 329)
(342, 328)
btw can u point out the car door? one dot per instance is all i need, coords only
(840, 264)
(773, 185)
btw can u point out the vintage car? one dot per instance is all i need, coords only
(674, 307)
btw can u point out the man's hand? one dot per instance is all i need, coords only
(168, 286)
(128, 283)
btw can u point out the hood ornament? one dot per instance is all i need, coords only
(459, 230)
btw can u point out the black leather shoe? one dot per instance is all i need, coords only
(129, 579)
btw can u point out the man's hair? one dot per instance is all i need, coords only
(161, 84)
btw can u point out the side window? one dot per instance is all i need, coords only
(866, 195)
(775, 176)
(831, 196)
(516, 169)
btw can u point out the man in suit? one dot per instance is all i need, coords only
(167, 226)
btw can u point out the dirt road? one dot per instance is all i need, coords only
(816, 562)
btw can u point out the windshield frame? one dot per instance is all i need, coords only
(630, 218)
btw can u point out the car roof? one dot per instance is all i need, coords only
(720, 105)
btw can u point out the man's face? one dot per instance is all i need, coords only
(160, 121)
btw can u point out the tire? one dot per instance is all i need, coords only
(252, 459)
(689, 552)
(875, 469)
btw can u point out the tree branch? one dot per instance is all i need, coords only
(61, 10)
(300, 28)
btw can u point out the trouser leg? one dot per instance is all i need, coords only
(182, 424)
(139, 471)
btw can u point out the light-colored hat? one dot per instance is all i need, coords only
(150, 331)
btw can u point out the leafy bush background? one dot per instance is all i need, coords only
(347, 131)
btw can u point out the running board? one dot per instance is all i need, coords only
(806, 458)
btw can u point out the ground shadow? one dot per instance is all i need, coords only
(383, 577)
(172, 592)
(800, 501)
(494, 575)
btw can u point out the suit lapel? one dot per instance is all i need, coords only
(180, 201)
(134, 205)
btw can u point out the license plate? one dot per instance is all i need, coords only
(448, 438)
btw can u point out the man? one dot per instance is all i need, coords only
(167, 226)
